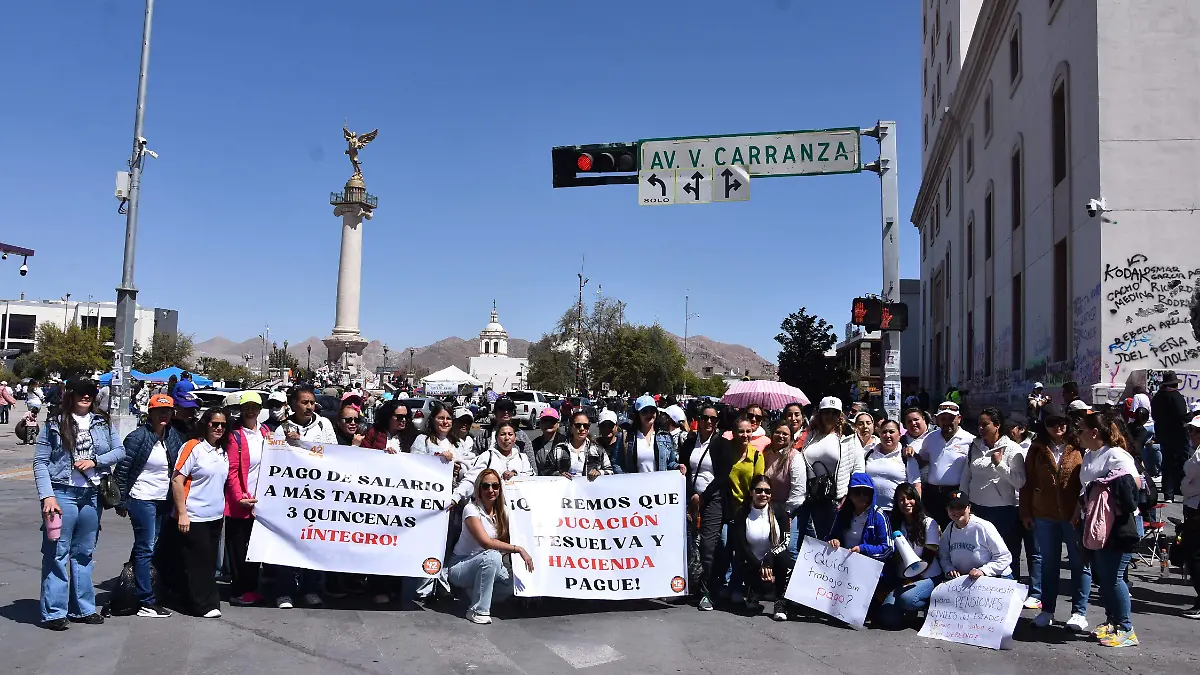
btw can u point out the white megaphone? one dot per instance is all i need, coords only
(909, 560)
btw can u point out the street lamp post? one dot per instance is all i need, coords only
(309, 366)
(411, 376)
(66, 303)
(579, 338)
(687, 317)
(385, 353)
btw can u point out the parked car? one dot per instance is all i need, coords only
(530, 405)
(419, 409)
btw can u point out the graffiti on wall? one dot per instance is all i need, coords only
(1085, 314)
(1147, 322)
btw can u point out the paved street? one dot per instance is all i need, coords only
(645, 637)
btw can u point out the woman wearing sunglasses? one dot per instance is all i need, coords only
(349, 424)
(198, 492)
(760, 535)
(393, 430)
(579, 456)
(477, 565)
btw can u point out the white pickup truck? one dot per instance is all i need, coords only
(530, 405)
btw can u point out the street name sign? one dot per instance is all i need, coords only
(779, 153)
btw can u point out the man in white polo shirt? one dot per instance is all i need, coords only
(946, 453)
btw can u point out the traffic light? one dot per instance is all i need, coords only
(571, 160)
(867, 312)
(875, 314)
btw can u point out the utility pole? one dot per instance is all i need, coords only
(66, 310)
(411, 377)
(126, 292)
(579, 335)
(687, 316)
(885, 166)
(309, 366)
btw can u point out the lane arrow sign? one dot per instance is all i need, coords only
(730, 185)
(693, 187)
(655, 180)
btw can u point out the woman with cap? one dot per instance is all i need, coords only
(760, 535)
(460, 434)
(144, 478)
(198, 483)
(708, 458)
(393, 430)
(7, 401)
(1047, 505)
(829, 464)
(276, 410)
(992, 476)
(579, 456)
(910, 594)
(543, 446)
(502, 411)
(244, 447)
(647, 449)
(74, 451)
(610, 436)
(677, 425)
(1107, 467)
(970, 545)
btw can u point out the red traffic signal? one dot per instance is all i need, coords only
(571, 160)
(875, 314)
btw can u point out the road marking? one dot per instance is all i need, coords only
(584, 656)
(19, 473)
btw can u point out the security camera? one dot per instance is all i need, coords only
(24, 270)
(1096, 207)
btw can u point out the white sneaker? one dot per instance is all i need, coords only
(153, 612)
(213, 614)
(312, 600)
(284, 602)
(1032, 603)
(478, 618)
(1077, 622)
(1043, 619)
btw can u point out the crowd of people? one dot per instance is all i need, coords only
(758, 481)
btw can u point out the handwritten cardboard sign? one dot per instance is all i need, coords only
(834, 581)
(981, 612)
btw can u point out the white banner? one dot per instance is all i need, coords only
(615, 538)
(834, 581)
(344, 509)
(981, 612)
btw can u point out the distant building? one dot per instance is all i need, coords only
(19, 320)
(494, 367)
(861, 353)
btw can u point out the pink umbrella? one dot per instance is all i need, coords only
(768, 394)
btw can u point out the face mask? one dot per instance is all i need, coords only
(278, 415)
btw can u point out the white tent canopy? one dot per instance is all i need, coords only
(450, 376)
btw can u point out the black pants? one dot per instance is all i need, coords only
(237, 541)
(1190, 516)
(1173, 458)
(199, 548)
(822, 513)
(934, 498)
(762, 590)
(713, 559)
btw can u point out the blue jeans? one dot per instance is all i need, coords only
(1008, 523)
(1033, 559)
(146, 516)
(484, 577)
(1109, 568)
(1152, 459)
(1051, 536)
(73, 595)
(904, 600)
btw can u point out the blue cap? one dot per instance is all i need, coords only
(645, 401)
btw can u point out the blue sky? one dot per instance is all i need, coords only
(245, 105)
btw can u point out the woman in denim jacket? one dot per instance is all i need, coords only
(73, 451)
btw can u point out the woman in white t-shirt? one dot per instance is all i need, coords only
(1104, 459)
(436, 439)
(198, 490)
(477, 564)
(886, 465)
(910, 594)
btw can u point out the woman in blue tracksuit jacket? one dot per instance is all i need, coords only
(860, 524)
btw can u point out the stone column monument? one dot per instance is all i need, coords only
(353, 204)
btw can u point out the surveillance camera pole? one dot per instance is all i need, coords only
(886, 167)
(126, 292)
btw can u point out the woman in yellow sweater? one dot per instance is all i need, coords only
(749, 464)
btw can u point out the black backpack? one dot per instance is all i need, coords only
(123, 600)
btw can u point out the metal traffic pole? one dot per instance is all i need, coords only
(126, 292)
(889, 192)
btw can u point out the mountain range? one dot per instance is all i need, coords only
(702, 352)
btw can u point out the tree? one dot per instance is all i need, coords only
(27, 365)
(165, 350)
(713, 385)
(222, 370)
(638, 359)
(73, 352)
(280, 358)
(550, 367)
(802, 362)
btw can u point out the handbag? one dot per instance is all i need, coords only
(821, 485)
